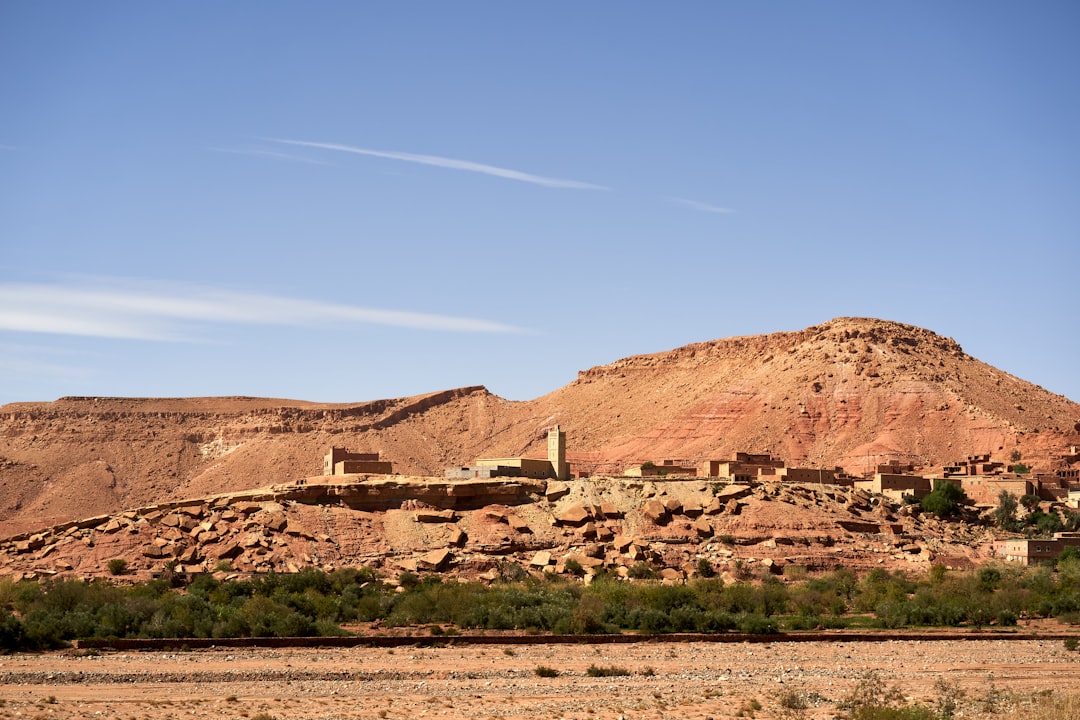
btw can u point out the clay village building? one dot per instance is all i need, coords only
(554, 467)
(1031, 551)
(896, 485)
(744, 468)
(974, 465)
(1054, 487)
(340, 461)
(835, 476)
(983, 480)
(668, 468)
(985, 490)
(747, 467)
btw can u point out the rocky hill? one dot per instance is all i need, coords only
(852, 392)
(849, 392)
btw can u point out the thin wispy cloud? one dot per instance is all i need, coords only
(135, 310)
(36, 360)
(261, 152)
(700, 206)
(450, 163)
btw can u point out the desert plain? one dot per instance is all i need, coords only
(699, 680)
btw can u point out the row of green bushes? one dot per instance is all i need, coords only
(47, 614)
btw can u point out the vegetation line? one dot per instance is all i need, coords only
(321, 605)
(134, 644)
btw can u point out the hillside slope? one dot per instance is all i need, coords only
(848, 392)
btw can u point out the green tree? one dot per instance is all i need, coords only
(1072, 521)
(1045, 523)
(1005, 512)
(945, 499)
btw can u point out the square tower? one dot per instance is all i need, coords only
(557, 453)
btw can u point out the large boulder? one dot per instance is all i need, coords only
(435, 516)
(434, 560)
(656, 513)
(574, 515)
(556, 490)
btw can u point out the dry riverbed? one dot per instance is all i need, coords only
(687, 680)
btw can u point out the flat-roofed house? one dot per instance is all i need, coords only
(340, 461)
(1028, 551)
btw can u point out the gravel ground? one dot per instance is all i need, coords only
(694, 680)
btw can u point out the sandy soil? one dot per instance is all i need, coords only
(693, 681)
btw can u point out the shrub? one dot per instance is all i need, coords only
(574, 568)
(545, 671)
(511, 572)
(792, 700)
(606, 671)
(948, 696)
(12, 634)
(118, 566)
(1049, 523)
(754, 624)
(989, 578)
(872, 699)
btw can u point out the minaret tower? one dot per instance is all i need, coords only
(557, 453)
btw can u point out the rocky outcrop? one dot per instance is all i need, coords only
(599, 525)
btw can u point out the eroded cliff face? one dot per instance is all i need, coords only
(850, 392)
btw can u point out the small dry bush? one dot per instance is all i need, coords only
(792, 700)
(873, 699)
(606, 671)
(1046, 707)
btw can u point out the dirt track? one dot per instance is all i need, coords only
(686, 680)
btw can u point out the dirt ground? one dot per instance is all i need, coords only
(666, 680)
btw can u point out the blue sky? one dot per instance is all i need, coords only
(349, 201)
